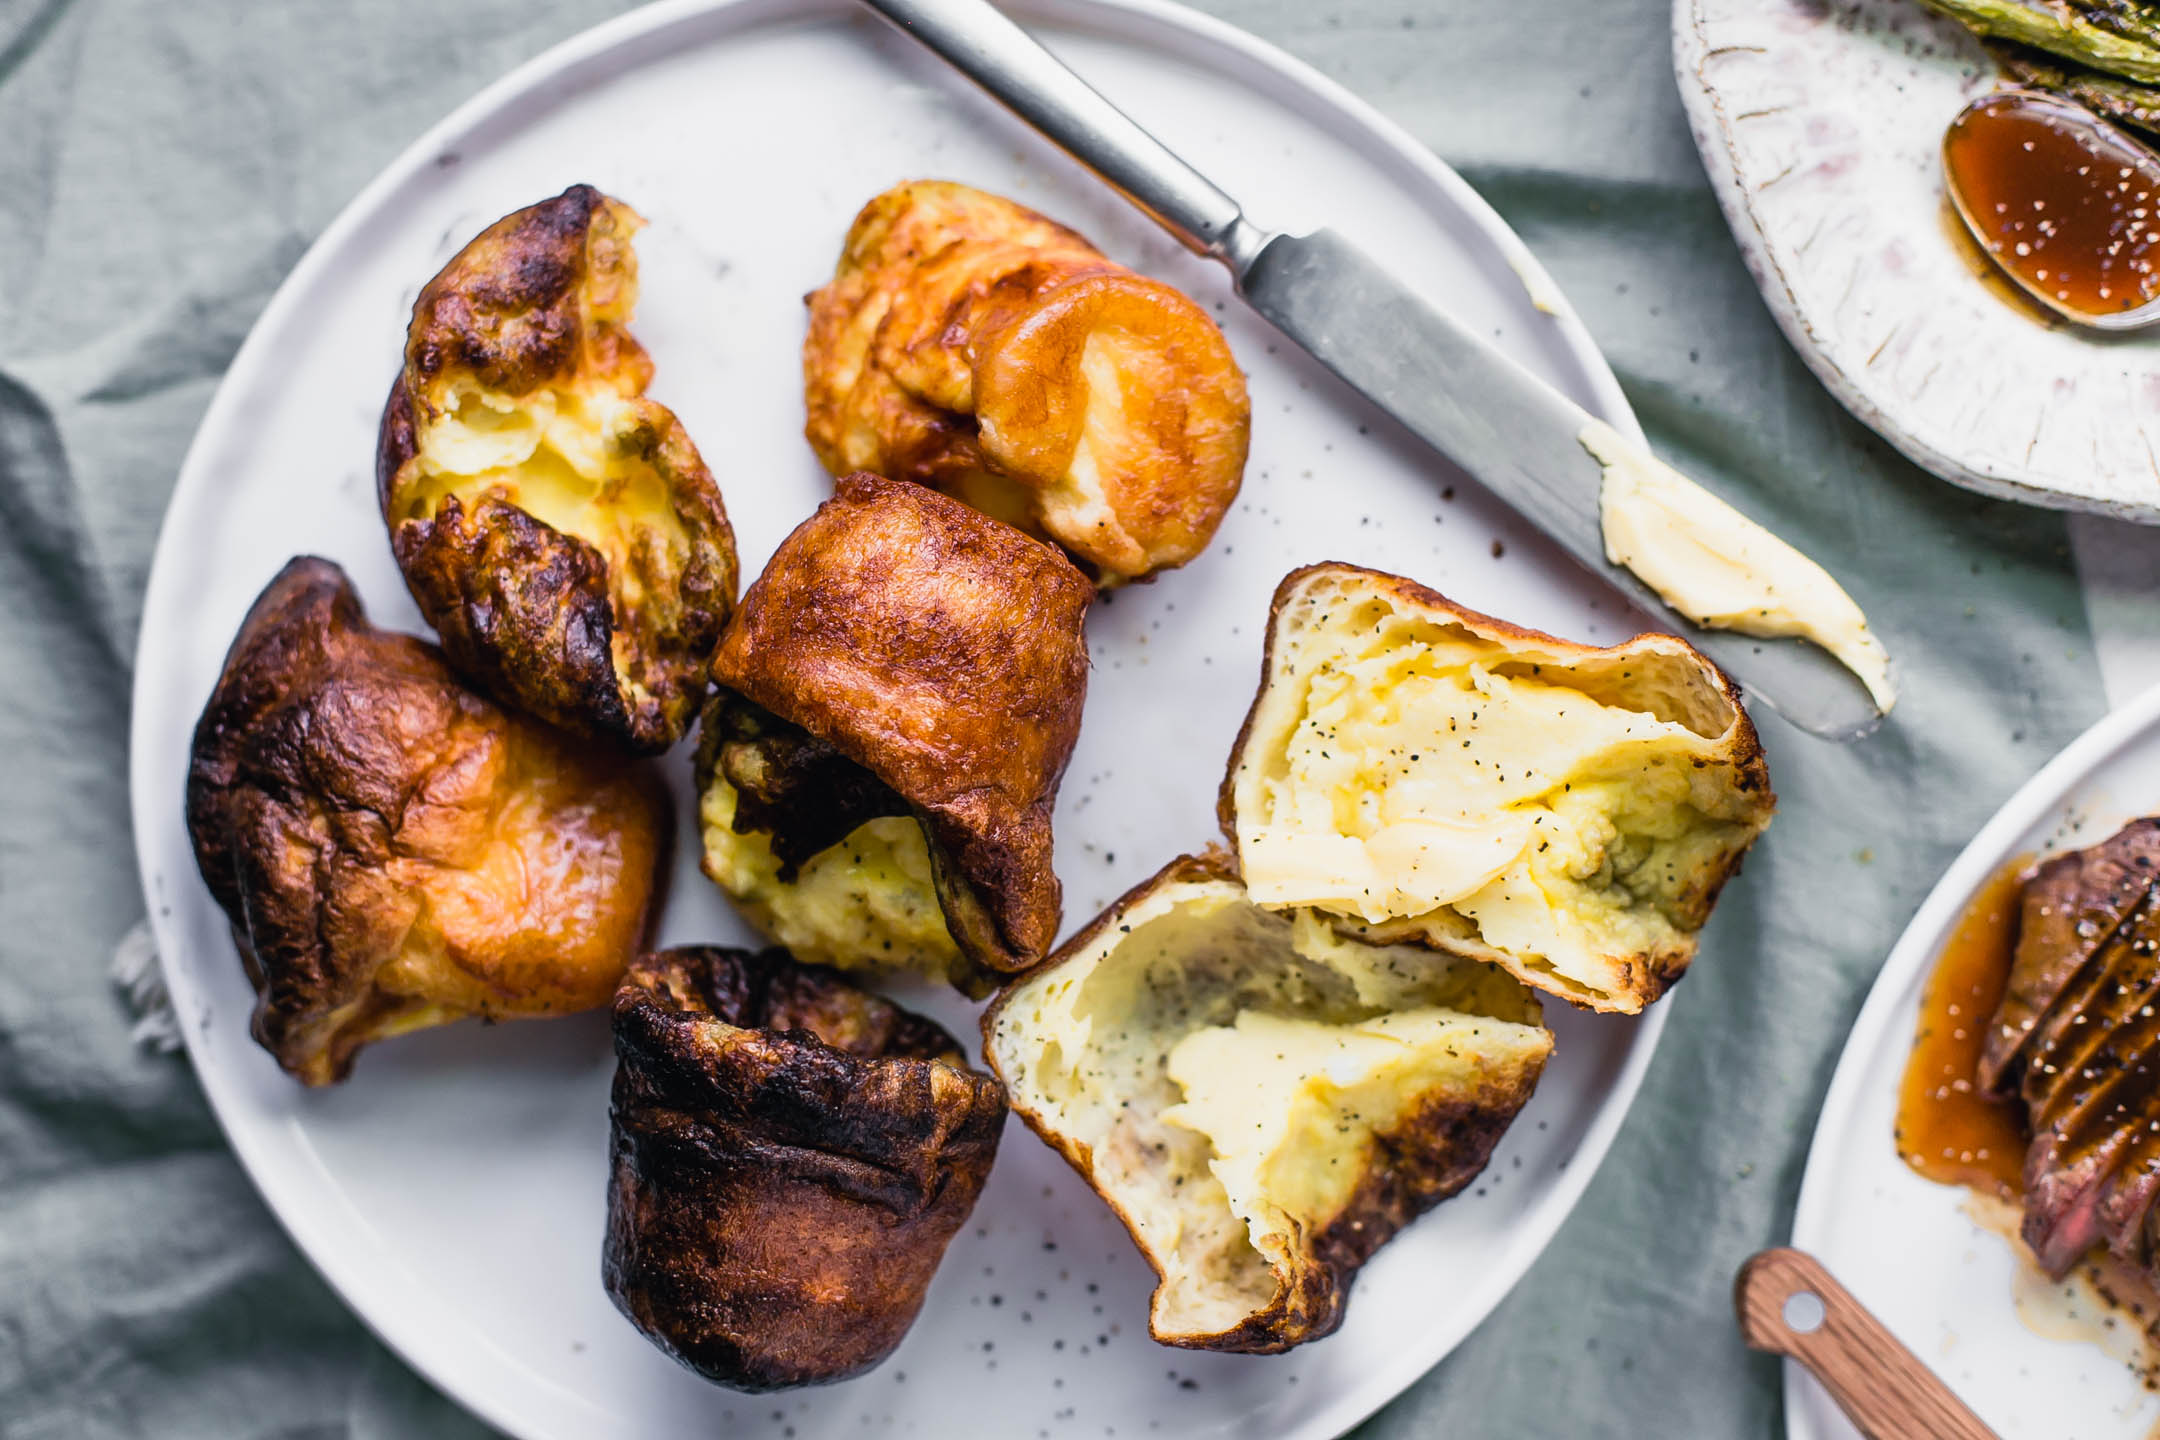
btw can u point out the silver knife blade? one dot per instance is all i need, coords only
(1510, 430)
(1517, 435)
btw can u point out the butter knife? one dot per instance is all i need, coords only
(1513, 432)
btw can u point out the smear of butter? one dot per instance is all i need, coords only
(1537, 285)
(1721, 569)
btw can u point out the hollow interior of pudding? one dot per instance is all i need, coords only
(577, 453)
(1408, 774)
(1228, 1069)
(576, 457)
(867, 904)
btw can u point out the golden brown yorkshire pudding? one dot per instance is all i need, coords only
(900, 691)
(556, 527)
(1263, 1102)
(969, 344)
(395, 851)
(1420, 772)
(791, 1158)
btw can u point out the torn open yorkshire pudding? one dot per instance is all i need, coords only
(970, 344)
(791, 1157)
(1419, 772)
(899, 694)
(1263, 1102)
(556, 527)
(395, 851)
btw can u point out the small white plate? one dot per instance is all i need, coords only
(452, 1191)
(1908, 1248)
(1821, 124)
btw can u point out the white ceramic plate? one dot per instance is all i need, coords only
(1821, 124)
(1908, 1248)
(452, 1191)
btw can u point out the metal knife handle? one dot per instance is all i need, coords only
(1014, 67)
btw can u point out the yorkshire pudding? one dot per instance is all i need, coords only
(1263, 1102)
(395, 851)
(556, 527)
(971, 345)
(791, 1157)
(899, 694)
(1419, 772)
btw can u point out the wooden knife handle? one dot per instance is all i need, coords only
(1883, 1387)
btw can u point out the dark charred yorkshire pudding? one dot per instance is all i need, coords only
(968, 344)
(791, 1158)
(394, 851)
(2077, 1039)
(1262, 1101)
(1423, 773)
(899, 694)
(556, 527)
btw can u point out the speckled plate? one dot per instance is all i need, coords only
(1943, 1272)
(453, 1190)
(1821, 124)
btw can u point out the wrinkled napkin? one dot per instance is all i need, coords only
(163, 165)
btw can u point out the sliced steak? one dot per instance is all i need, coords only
(2098, 1109)
(2062, 1048)
(2126, 1197)
(2070, 908)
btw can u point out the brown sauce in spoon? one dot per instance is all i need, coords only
(2063, 201)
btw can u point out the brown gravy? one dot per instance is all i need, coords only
(1947, 1130)
(2059, 198)
(1951, 1133)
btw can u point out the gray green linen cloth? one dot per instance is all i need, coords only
(162, 165)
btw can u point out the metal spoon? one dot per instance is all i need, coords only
(2081, 200)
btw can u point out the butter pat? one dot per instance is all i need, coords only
(1537, 285)
(1721, 569)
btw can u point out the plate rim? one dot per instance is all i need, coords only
(2032, 802)
(1713, 143)
(1325, 102)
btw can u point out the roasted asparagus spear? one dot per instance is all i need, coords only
(2120, 37)
(2109, 96)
